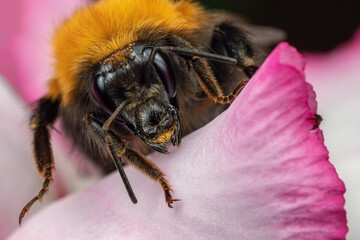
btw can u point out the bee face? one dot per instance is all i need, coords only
(148, 88)
(172, 67)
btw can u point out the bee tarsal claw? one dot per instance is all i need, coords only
(169, 199)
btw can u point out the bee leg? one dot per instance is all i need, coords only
(116, 148)
(119, 150)
(44, 115)
(206, 77)
(318, 119)
(211, 85)
(237, 45)
(152, 171)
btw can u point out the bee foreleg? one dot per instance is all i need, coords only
(210, 84)
(44, 115)
(119, 150)
(116, 148)
(206, 77)
(151, 170)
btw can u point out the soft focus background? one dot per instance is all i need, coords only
(318, 25)
(312, 26)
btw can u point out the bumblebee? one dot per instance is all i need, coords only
(131, 76)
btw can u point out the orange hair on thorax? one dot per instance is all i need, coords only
(102, 28)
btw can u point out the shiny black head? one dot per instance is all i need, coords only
(145, 80)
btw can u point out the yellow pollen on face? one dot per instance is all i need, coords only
(163, 137)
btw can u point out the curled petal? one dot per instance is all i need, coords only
(258, 171)
(336, 78)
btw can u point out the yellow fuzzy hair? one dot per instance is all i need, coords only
(100, 29)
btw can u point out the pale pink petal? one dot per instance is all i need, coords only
(19, 180)
(26, 30)
(336, 79)
(25, 55)
(257, 171)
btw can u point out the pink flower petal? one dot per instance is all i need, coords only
(25, 55)
(336, 79)
(26, 29)
(19, 180)
(257, 171)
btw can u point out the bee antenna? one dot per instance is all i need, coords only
(154, 50)
(111, 145)
(120, 169)
(196, 53)
(113, 116)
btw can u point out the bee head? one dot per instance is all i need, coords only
(147, 87)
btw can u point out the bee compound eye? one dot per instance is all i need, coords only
(100, 95)
(164, 69)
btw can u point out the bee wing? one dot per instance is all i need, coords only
(266, 37)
